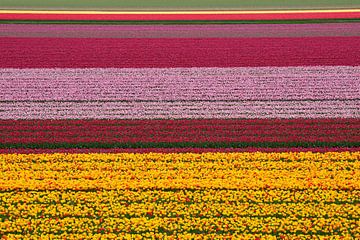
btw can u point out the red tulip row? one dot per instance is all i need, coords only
(175, 139)
(73, 131)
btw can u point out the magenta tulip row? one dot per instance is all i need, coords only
(180, 109)
(174, 84)
(178, 52)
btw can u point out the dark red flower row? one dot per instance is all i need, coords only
(83, 131)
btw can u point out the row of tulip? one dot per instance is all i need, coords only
(180, 109)
(180, 139)
(191, 236)
(237, 198)
(179, 131)
(179, 31)
(265, 83)
(173, 226)
(171, 53)
(177, 16)
(191, 126)
(145, 145)
(182, 170)
(203, 133)
(269, 123)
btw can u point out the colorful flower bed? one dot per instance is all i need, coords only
(157, 195)
(114, 127)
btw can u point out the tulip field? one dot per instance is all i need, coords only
(180, 120)
(191, 195)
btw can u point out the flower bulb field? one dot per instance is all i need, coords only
(180, 119)
(192, 195)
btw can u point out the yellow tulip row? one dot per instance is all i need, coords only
(187, 195)
(221, 225)
(185, 236)
(181, 170)
(183, 208)
(144, 158)
(181, 195)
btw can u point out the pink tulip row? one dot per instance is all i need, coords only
(174, 84)
(181, 109)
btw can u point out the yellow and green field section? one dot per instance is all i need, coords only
(246, 195)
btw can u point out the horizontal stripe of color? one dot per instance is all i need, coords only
(183, 22)
(207, 52)
(180, 109)
(152, 171)
(173, 150)
(179, 31)
(146, 5)
(177, 84)
(133, 131)
(173, 16)
(99, 145)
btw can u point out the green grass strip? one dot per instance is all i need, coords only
(148, 5)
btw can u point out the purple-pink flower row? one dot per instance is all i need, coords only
(179, 31)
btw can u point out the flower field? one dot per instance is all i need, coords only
(218, 120)
(250, 195)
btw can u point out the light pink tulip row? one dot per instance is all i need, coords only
(177, 110)
(174, 84)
